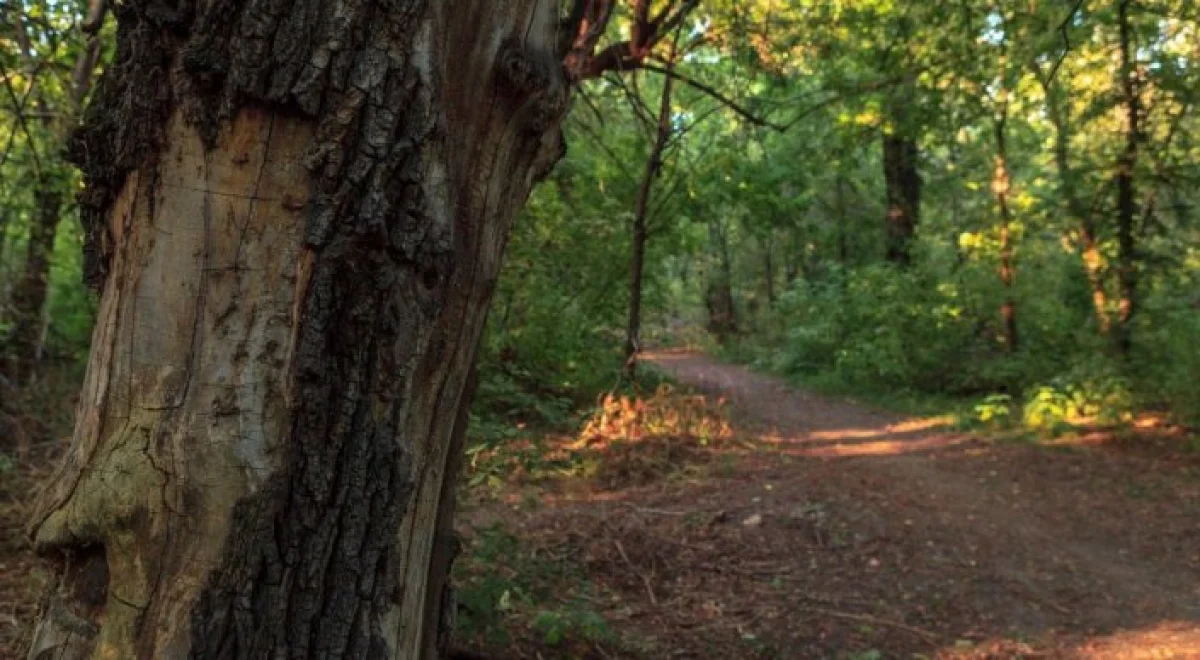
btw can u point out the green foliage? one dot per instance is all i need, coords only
(879, 327)
(994, 411)
(577, 621)
(1170, 352)
(501, 586)
(1087, 394)
(880, 331)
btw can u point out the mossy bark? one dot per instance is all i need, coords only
(295, 212)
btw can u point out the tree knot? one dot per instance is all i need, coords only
(537, 80)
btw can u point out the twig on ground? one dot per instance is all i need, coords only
(645, 580)
(661, 512)
(867, 618)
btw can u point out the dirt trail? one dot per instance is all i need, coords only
(1079, 552)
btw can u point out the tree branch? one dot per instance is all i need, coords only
(95, 16)
(710, 91)
(20, 119)
(1066, 37)
(581, 60)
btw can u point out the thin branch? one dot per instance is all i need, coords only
(587, 99)
(583, 63)
(1066, 37)
(599, 142)
(726, 101)
(95, 16)
(19, 113)
(20, 118)
(641, 110)
(663, 26)
(645, 580)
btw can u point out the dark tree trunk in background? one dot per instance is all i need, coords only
(4, 221)
(24, 342)
(1002, 188)
(722, 314)
(662, 134)
(792, 257)
(1126, 192)
(769, 269)
(296, 216)
(902, 182)
(843, 225)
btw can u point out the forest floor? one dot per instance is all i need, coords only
(829, 529)
(801, 526)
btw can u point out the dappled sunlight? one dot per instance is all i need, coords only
(918, 434)
(627, 441)
(664, 413)
(905, 427)
(881, 447)
(1156, 641)
(1146, 433)
(1169, 639)
(701, 523)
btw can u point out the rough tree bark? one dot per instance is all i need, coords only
(296, 211)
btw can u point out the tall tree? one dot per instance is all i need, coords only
(1058, 112)
(1126, 189)
(46, 120)
(658, 144)
(296, 214)
(902, 183)
(1002, 176)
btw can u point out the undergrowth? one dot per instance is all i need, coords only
(507, 589)
(889, 338)
(519, 593)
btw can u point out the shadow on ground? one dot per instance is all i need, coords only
(829, 530)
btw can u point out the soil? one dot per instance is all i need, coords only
(829, 529)
(850, 532)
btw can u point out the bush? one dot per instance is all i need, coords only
(1171, 363)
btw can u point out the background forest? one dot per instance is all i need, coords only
(984, 208)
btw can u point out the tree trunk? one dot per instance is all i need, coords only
(662, 134)
(1001, 188)
(1089, 242)
(29, 295)
(843, 227)
(25, 341)
(297, 216)
(5, 219)
(1126, 193)
(722, 315)
(769, 268)
(903, 188)
(792, 257)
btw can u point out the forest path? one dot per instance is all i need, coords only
(1084, 548)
